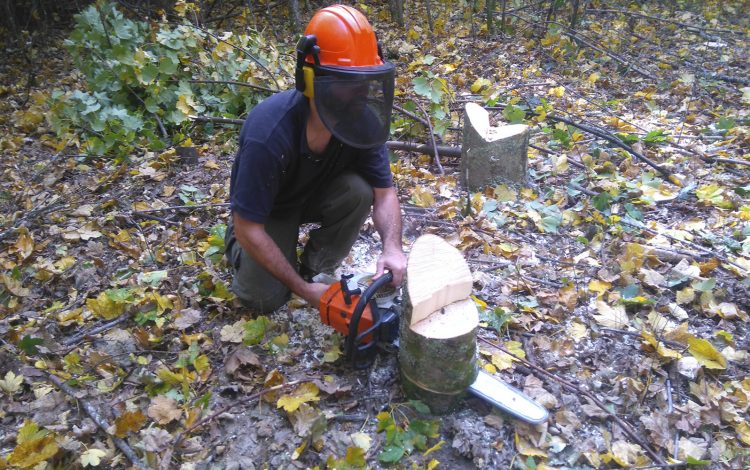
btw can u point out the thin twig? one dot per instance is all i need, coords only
(234, 82)
(172, 208)
(666, 20)
(80, 336)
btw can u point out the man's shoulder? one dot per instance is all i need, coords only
(279, 114)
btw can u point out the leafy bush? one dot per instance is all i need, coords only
(139, 77)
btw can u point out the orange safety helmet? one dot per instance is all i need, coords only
(340, 66)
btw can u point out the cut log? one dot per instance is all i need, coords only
(491, 155)
(438, 276)
(437, 354)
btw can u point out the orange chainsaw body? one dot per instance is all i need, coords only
(337, 313)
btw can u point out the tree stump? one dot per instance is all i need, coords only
(438, 331)
(491, 155)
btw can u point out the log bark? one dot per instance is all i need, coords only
(438, 331)
(491, 155)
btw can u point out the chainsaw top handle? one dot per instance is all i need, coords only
(353, 339)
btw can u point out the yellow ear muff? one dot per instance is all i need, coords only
(309, 78)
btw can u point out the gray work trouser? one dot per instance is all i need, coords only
(340, 209)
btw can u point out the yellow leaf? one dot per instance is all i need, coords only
(24, 243)
(743, 431)
(627, 454)
(659, 347)
(34, 446)
(619, 124)
(104, 306)
(611, 317)
(480, 303)
(685, 296)
(185, 104)
(422, 197)
(92, 457)
(524, 447)
(557, 91)
(577, 331)
(306, 392)
(706, 354)
(130, 421)
(479, 84)
(598, 286)
(593, 77)
(632, 259)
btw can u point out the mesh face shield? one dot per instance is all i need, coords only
(355, 105)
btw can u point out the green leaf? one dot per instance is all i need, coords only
(514, 114)
(419, 407)
(693, 461)
(705, 285)
(255, 330)
(391, 454)
(655, 137)
(29, 344)
(726, 124)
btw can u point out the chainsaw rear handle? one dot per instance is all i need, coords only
(353, 339)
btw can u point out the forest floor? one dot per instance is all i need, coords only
(622, 291)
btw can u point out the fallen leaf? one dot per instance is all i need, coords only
(611, 317)
(163, 410)
(306, 392)
(11, 383)
(155, 439)
(92, 457)
(187, 318)
(233, 333)
(130, 421)
(240, 357)
(706, 354)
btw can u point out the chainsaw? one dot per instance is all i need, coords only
(367, 313)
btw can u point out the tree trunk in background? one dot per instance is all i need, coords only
(574, 15)
(490, 9)
(428, 8)
(294, 17)
(397, 11)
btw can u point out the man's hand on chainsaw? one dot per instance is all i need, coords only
(313, 291)
(395, 262)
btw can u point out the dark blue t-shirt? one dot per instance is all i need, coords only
(275, 172)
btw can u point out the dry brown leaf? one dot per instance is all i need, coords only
(164, 410)
(130, 421)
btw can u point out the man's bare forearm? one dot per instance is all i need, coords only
(386, 214)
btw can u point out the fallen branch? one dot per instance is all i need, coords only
(411, 115)
(690, 27)
(233, 82)
(94, 414)
(172, 208)
(613, 139)
(435, 156)
(80, 336)
(444, 150)
(579, 391)
(220, 120)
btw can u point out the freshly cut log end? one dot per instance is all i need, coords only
(437, 275)
(453, 320)
(438, 331)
